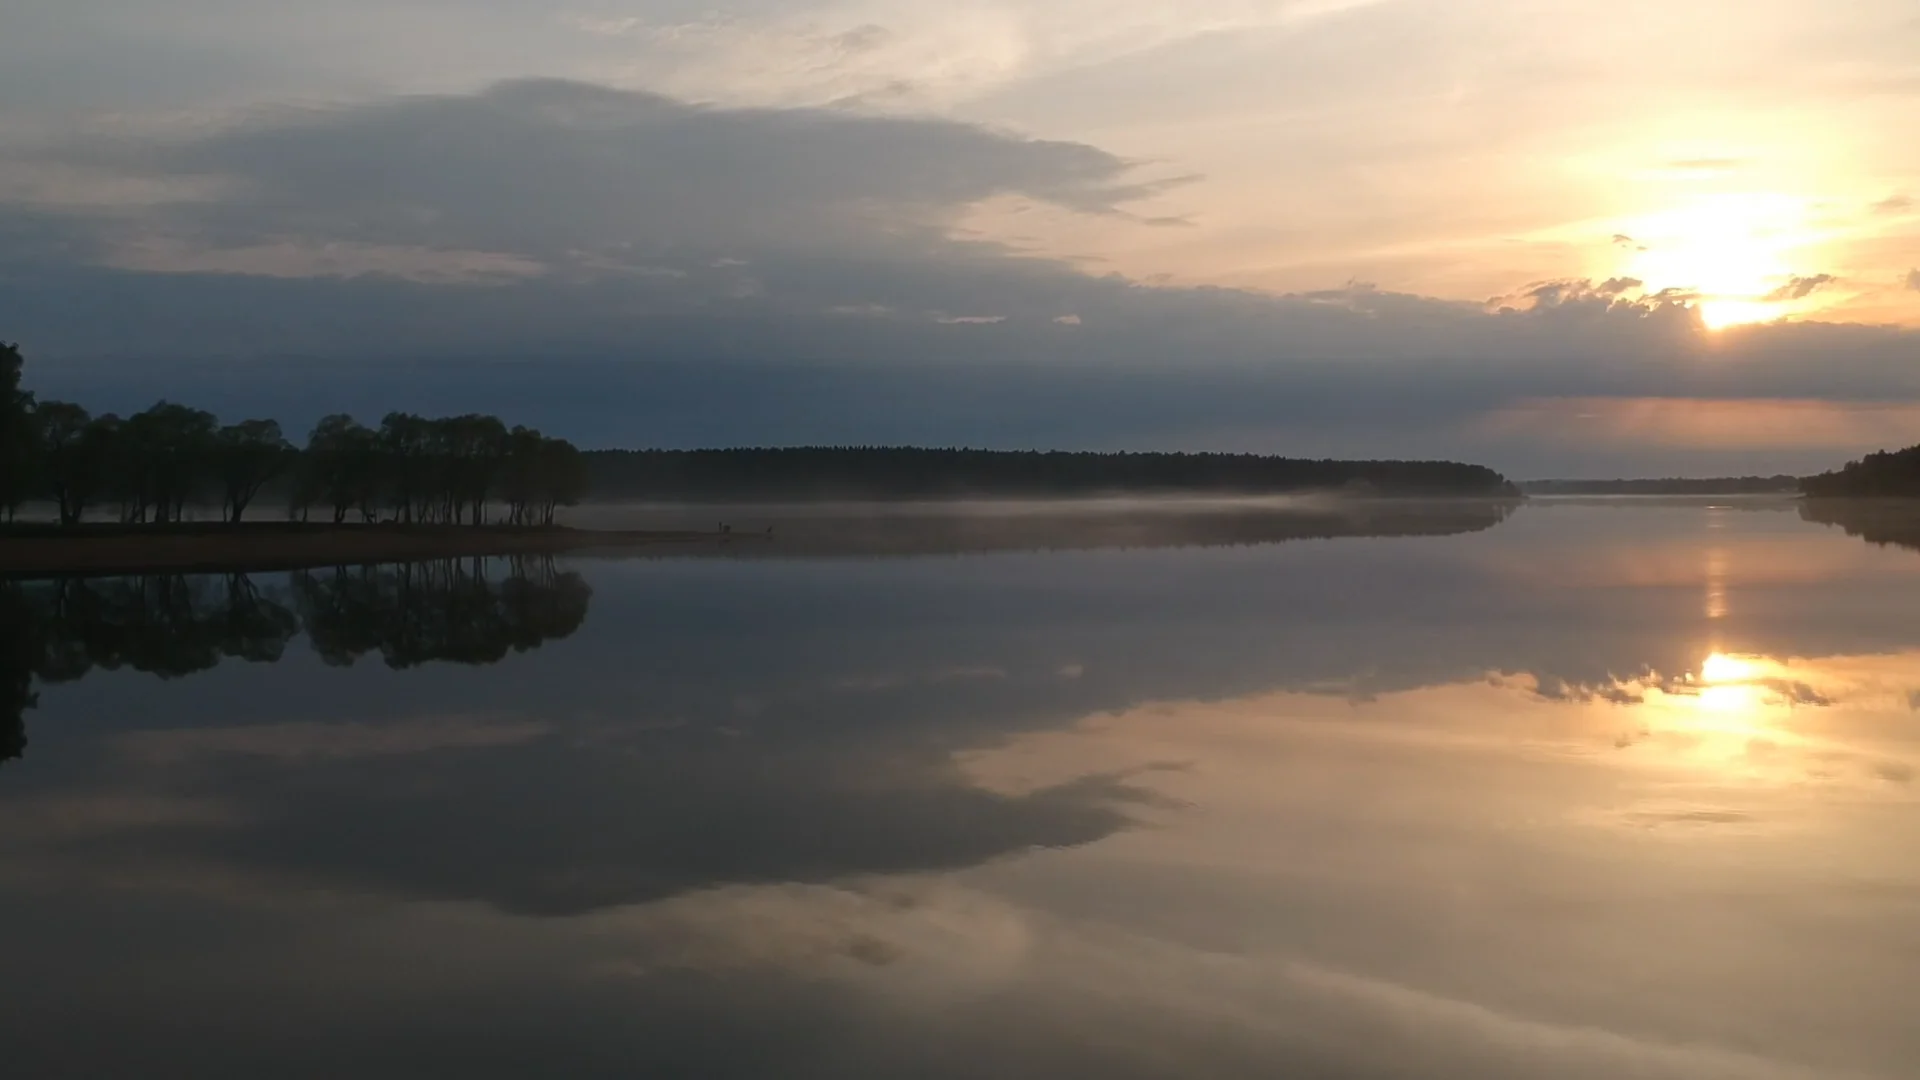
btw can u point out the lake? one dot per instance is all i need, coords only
(1582, 789)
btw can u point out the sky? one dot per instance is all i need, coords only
(1554, 237)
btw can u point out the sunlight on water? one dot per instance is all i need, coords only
(1470, 794)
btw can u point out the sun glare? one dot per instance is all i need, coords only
(1720, 668)
(1730, 252)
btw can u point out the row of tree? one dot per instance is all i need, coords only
(905, 472)
(1888, 473)
(154, 465)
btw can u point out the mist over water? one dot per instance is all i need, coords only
(1295, 787)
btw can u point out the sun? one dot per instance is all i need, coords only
(1729, 253)
(1721, 668)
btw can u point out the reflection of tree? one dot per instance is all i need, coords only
(1877, 521)
(174, 625)
(167, 625)
(449, 610)
(16, 672)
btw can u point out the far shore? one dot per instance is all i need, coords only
(108, 549)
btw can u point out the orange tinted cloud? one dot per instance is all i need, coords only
(1707, 422)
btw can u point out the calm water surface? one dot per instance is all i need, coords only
(1605, 789)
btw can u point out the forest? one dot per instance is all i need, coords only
(882, 472)
(158, 465)
(1888, 473)
(153, 466)
(1779, 484)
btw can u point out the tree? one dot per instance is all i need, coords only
(245, 457)
(176, 443)
(18, 459)
(475, 450)
(340, 468)
(562, 477)
(76, 450)
(406, 461)
(520, 478)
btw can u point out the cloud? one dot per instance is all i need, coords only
(574, 176)
(677, 270)
(1913, 280)
(1894, 204)
(1705, 165)
(1799, 288)
(302, 741)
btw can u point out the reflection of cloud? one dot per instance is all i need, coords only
(1096, 999)
(543, 828)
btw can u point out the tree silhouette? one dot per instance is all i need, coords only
(339, 469)
(76, 453)
(158, 462)
(912, 473)
(1893, 473)
(17, 434)
(246, 456)
(175, 446)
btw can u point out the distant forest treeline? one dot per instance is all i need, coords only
(911, 473)
(151, 466)
(1887, 473)
(1720, 485)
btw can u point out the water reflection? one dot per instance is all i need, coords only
(1503, 804)
(1877, 521)
(171, 625)
(977, 526)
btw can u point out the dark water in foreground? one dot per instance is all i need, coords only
(1602, 790)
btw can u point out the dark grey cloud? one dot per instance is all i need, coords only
(1799, 288)
(634, 269)
(571, 173)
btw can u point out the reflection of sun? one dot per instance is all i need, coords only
(1725, 710)
(1729, 250)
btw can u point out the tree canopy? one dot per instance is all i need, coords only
(1887, 473)
(157, 465)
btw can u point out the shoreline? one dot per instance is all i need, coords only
(111, 550)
